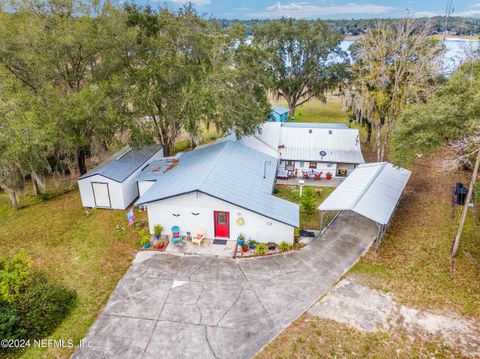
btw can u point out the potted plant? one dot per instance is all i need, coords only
(145, 242)
(161, 245)
(285, 246)
(329, 176)
(241, 239)
(252, 244)
(271, 246)
(244, 248)
(157, 231)
(261, 248)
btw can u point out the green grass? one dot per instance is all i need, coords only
(317, 111)
(413, 263)
(82, 252)
(291, 193)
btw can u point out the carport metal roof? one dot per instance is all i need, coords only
(372, 190)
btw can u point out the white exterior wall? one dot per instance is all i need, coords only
(347, 166)
(121, 194)
(321, 167)
(143, 186)
(114, 189)
(257, 227)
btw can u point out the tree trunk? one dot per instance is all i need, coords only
(291, 111)
(13, 198)
(81, 158)
(369, 133)
(167, 149)
(36, 187)
(456, 242)
(378, 145)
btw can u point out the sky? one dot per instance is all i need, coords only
(323, 9)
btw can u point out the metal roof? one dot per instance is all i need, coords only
(280, 110)
(123, 163)
(314, 125)
(371, 190)
(225, 170)
(304, 142)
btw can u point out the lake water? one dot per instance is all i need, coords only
(457, 51)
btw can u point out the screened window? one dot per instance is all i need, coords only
(312, 165)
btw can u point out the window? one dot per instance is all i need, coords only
(342, 172)
(312, 165)
(289, 165)
(330, 132)
(309, 131)
(222, 219)
(302, 164)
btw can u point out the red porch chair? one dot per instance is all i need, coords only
(318, 176)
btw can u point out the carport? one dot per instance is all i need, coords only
(372, 190)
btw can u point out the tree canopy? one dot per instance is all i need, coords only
(394, 66)
(452, 114)
(302, 59)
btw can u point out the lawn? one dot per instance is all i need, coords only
(83, 252)
(291, 193)
(318, 111)
(413, 263)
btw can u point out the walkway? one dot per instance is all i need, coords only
(170, 306)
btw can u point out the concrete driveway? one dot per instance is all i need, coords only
(169, 306)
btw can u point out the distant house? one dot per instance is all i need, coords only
(279, 114)
(225, 187)
(113, 183)
(312, 148)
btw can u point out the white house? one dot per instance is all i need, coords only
(310, 147)
(113, 183)
(226, 188)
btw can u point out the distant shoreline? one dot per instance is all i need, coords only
(436, 36)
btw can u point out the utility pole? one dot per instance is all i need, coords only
(456, 242)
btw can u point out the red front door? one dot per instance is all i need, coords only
(222, 224)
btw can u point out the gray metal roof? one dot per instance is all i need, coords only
(280, 109)
(371, 190)
(123, 163)
(314, 125)
(228, 171)
(305, 141)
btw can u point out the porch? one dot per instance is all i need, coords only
(293, 181)
(207, 248)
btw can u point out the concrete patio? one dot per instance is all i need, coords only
(207, 248)
(170, 306)
(334, 182)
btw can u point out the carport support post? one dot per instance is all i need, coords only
(379, 236)
(321, 223)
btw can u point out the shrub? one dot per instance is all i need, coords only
(10, 324)
(157, 230)
(308, 200)
(14, 276)
(261, 248)
(43, 306)
(285, 246)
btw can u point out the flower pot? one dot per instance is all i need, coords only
(244, 249)
(240, 242)
(157, 236)
(329, 178)
(146, 245)
(252, 246)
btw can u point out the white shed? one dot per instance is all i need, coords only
(112, 184)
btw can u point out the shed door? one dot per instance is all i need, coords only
(222, 225)
(101, 194)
